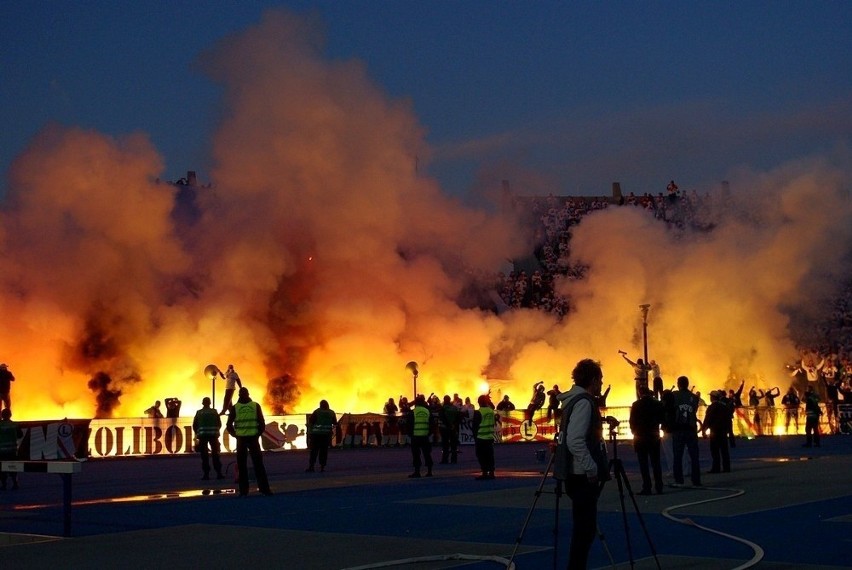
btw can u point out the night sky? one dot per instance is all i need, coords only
(561, 97)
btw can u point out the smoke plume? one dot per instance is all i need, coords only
(323, 259)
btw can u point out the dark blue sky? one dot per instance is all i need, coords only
(562, 97)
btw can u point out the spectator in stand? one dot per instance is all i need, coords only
(173, 407)
(810, 370)
(736, 399)
(812, 414)
(791, 403)
(232, 382)
(729, 426)
(717, 419)
(537, 400)
(754, 398)
(448, 420)
(505, 405)
(154, 411)
(672, 189)
(553, 401)
(832, 402)
(404, 413)
(6, 379)
(391, 424)
(640, 372)
(770, 415)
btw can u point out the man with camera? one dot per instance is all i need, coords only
(580, 457)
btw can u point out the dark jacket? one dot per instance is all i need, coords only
(646, 416)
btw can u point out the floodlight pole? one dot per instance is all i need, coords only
(644, 309)
(212, 371)
(413, 367)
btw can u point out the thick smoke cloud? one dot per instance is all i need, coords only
(323, 259)
(733, 300)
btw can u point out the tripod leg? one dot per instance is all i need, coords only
(622, 476)
(556, 526)
(620, 479)
(532, 508)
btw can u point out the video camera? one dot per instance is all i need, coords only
(613, 424)
(612, 421)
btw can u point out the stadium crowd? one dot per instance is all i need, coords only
(531, 284)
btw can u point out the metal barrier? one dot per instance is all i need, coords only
(64, 469)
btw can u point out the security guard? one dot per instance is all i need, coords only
(206, 426)
(10, 432)
(246, 423)
(483, 429)
(320, 426)
(421, 423)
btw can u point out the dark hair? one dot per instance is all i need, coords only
(682, 382)
(586, 371)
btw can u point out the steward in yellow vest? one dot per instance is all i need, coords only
(483, 432)
(320, 428)
(206, 426)
(246, 423)
(421, 422)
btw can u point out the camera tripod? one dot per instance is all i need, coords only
(615, 467)
(538, 492)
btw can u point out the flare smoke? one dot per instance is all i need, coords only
(321, 260)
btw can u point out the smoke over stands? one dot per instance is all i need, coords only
(320, 260)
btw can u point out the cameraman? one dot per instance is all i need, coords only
(583, 452)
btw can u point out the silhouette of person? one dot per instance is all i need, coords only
(154, 411)
(420, 424)
(232, 380)
(10, 433)
(580, 457)
(537, 400)
(6, 379)
(646, 416)
(246, 424)
(173, 407)
(320, 428)
(206, 427)
(684, 430)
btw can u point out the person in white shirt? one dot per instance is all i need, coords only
(232, 380)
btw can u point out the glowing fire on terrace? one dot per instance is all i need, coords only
(323, 258)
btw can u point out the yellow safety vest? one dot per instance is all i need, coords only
(486, 426)
(421, 421)
(208, 422)
(322, 421)
(245, 424)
